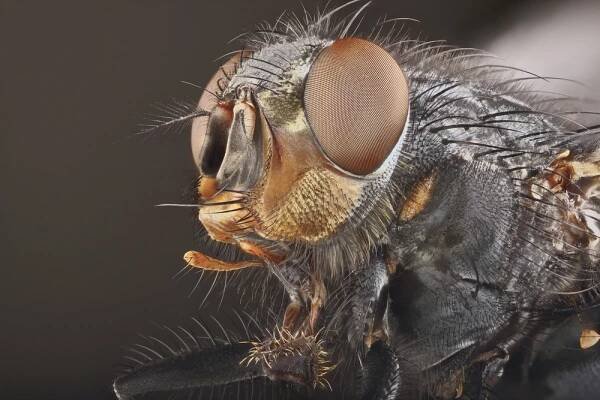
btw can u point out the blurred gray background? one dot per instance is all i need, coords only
(87, 260)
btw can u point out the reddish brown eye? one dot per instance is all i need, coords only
(356, 102)
(208, 101)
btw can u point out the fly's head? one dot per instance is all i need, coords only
(302, 138)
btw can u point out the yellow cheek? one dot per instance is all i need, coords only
(315, 206)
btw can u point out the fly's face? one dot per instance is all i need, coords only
(298, 134)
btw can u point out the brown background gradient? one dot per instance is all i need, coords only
(87, 259)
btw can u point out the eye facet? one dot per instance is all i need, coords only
(208, 101)
(356, 103)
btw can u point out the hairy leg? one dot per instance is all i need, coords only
(216, 366)
(380, 379)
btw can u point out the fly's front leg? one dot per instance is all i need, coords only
(194, 369)
(295, 282)
(318, 296)
(380, 377)
(364, 303)
(367, 305)
(295, 352)
(297, 333)
(307, 295)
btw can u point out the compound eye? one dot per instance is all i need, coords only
(208, 101)
(356, 103)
